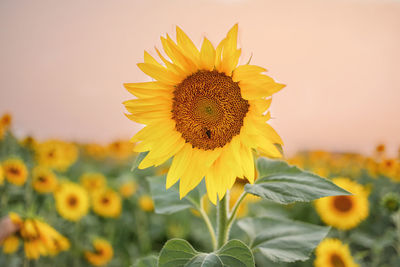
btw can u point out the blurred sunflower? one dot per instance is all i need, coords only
(15, 171)
(96, 151)
(5, 120)
(10, 244)
(56, 154)
(43, 180)
(120, 149)
(128, 188)
(146, 203)
(332, 253)
(93, 181)
(102, 254)
(72, 201)
(107, 203)
(388, 167)
(344, 212)
(205, 111)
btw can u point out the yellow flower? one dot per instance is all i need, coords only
(205, 112)
(128, 188)
(72, 201)
(1, 175)
(29, 142)
(56, 154)
(107, 203)
(388, 167)
(6, 120)
(15, 171)
(10, 244)
(332, 253)
(43, 179)
(96, 151)
(120, 149)
(102, 254)
(93, 181)
(344, 212)
(146, 203)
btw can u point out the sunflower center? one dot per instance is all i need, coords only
(337, 261)
(105, 200)
(343, 203)
(208, 109)
(42, 179)
(14, 171)
(72, 201)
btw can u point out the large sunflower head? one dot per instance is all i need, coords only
(43, 180)
(107, 203)
(333, 253)
(15, 171)
(344, 212)
(72, 201)
(102, 254)
(205, 111)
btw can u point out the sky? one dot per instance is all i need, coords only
(63, 63)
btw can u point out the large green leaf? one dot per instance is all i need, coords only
(149, 261)
(286, 184)
(179, 253)
(282, 239)
(168, 201)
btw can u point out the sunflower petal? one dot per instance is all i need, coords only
(179, 165)
(186, 45)
(207, 55)
(159, 73)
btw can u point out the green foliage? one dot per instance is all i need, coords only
(149, 261)
(281, 239)
(178, 252)
(286, 184)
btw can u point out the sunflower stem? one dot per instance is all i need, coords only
(209, 226)
(222, 220)
(235, 208)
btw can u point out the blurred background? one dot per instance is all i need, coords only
(63, 64)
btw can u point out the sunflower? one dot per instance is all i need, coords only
(43, 180)
(56, 154)
(10, 244)
(15, 171)
(5, 120)
(93, 181)
(102, 254)
(128, 188)
(146, 203)
(96, 151)
(344, 212)
(107, 203)
(332, 253)
(120, 149)
(388, 167)
(72, 201)
(205, 111)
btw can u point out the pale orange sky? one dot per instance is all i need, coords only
(62, 64)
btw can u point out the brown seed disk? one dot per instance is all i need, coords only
(343, 203)
(208, 109)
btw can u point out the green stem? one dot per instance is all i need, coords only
(222, 221)
(209, 226)
(236, 208)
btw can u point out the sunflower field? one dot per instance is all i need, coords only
(204, 183)
(87, 205)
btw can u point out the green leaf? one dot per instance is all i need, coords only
(168, 201)
(286, 184)
(282, 239)
(179, 253)
(149, 261)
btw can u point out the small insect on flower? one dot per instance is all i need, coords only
(205, 112)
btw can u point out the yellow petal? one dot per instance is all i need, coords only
(252, 91)
(210, 185)
(149, 59)
(177, 70)
(207, 55)
(187, 45)
(247, 163)
(159, 73)
(179, 165)
(173, 52)
(244, 72)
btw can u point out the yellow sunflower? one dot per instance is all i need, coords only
(10, 244)
(344, 212)
(388, 167)
(96, 151)
(93, 181)
(43, 180)
(72, 201)
(128, 188)
(205, 111)
(146, 203)
(6, 120)
(333, 253)
(56, 154)
(107, 203)
(15, 171)
(102, 254)
(120, 149)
